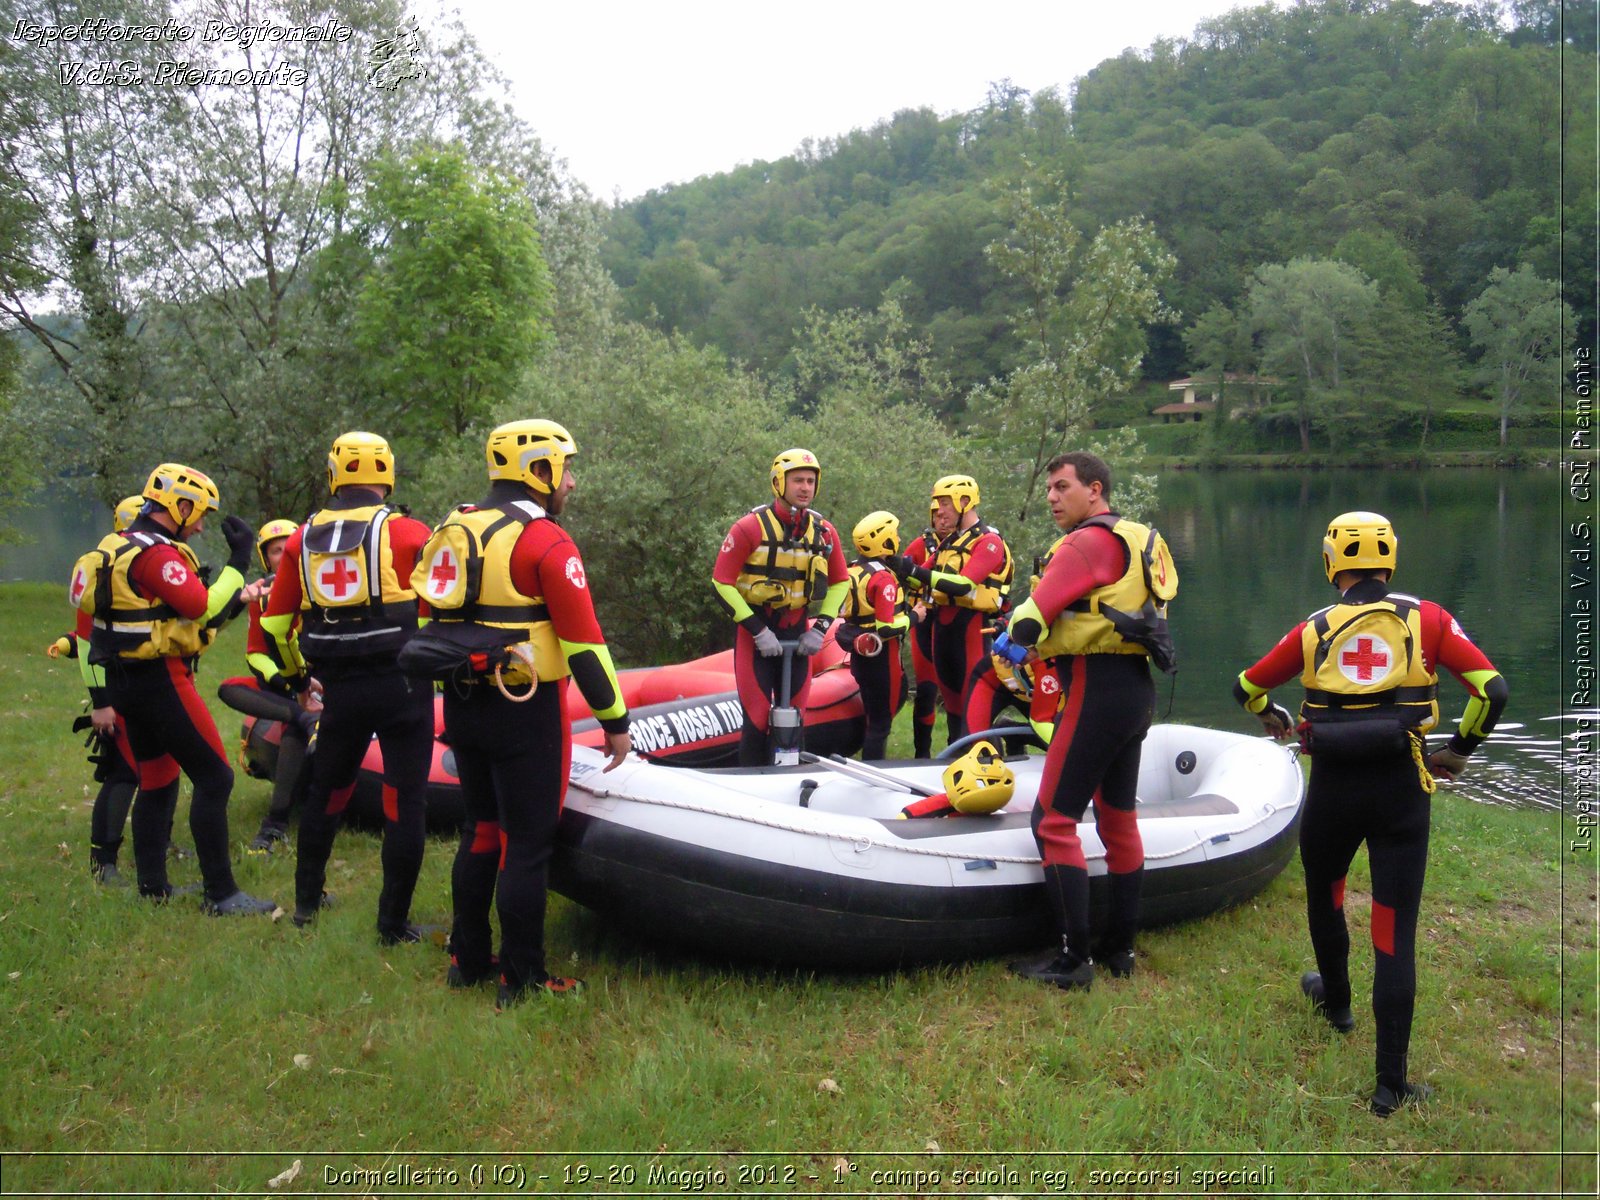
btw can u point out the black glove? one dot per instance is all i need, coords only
(241, 541)
(900, 564)
(1276, 721)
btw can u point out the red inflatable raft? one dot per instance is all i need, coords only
(686, 714)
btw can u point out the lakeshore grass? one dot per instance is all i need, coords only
(153, 1049)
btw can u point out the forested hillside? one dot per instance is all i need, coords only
(1419, 143)
(1355, 204)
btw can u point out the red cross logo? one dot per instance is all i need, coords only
(339, 578)
(80, 584)
(1364, 659)
(443, 574)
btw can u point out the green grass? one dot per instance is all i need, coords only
(132, 1028)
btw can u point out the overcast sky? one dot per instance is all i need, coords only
(639, 95)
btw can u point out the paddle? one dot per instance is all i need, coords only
(862, 773)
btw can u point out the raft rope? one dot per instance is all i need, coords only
(863, 845)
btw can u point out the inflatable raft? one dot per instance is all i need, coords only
(687, 714)
(810, 866)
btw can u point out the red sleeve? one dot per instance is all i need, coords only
(988, 556)
(285, 594)
(546, 563)
(407, 536)
(1445, 645)
(736, 548)
(838, 567)
(255, 638)
(162, 573)
(919, 552)
(1089, 558)
(884, 592)
(83, 626)
(1280, 664)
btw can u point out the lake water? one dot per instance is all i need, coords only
(1483, 543)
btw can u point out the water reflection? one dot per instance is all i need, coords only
(1484, 544)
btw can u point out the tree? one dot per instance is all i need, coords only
(196, 231)
(455, 301)
(1218, 344)
(66, 152)
(1308, 312)
(1519, 323)
(1082, 325)
(870, 394)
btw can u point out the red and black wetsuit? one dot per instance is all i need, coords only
(991, 703)
(1381, 801)
(880, 678)
(960, 642)
(925, 697)
(363, 696)
(266, 693)
(760, 679)
(1109, 701)
(513, 761)
(169, 728)
(118, 777)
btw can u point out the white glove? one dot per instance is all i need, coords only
(811, 642)
(767, 644)
(1445, 763)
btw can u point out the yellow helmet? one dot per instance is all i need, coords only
(793, 460)
(271, 532)
(127, 509)
(512, 450)
(360, 458)
(962, 490)
(1359, 541)
(171, 483)
(979, 781)
(877, 535)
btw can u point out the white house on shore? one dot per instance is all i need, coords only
(1247, 391)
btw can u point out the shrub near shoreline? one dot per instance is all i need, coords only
(146, 1029)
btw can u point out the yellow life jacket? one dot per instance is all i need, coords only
(1043, 561)
(353, 603)
(987, 595)
(1018, 680)
(1365, 660)
(126, 624)
(464, 573)
(1129, 615)
(858, 610)
(785, 572)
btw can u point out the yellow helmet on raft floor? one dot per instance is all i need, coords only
(979, 781)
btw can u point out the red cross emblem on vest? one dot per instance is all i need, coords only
(443, 573)
(1364, 659)
(339, 578)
